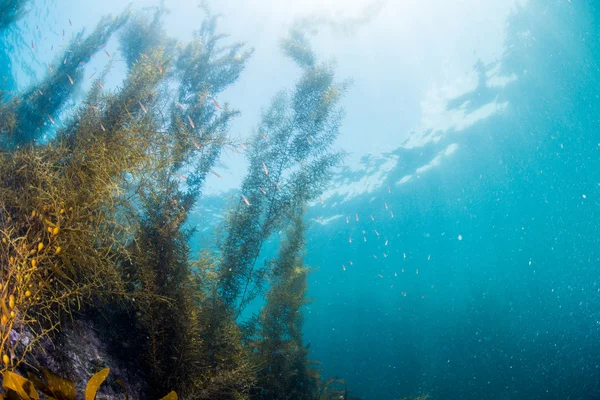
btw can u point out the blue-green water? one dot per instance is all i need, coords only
(511, 311)
(473, 268)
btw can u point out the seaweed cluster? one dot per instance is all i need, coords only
(93, 218)
(56, 387)
(11, 11)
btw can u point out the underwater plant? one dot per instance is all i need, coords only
(93, 217)
(27, 115)
(290, 164)
(54, 386)
(61, 214)
(143, 33)
(172, 318)
(276, 337)
(11, 11)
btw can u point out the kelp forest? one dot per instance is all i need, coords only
(95, 202)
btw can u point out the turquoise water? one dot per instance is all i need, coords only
(472, 271)
(511, 310)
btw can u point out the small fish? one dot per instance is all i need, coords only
(384, 255)
(32, 46)
(264, 137)
(392, 214)
(350, 262)
(234, 151)
(356, 216)
(402, 270)
(143, 55)
(350, 239)
(386, 206)
(70, 23)
(265, 169)
(377, 233)
(63, 33)
(100, 84)
(386, 242)
(160, 68)
(51, 47)
(51, 120)
(379, 275)
(50, 68)
(107, 54)
(372, 218)
(191, 122)
(404, 255)
(321, 200)
(278, 188)
(395, 274)
(178, 104)
(216, 104)
(65, 61)
(196, 144)
(217, 175)
(308, 140)
(389, 191)
(262, 190)
(91, 76)
(243, 146)
(246, 200)
(94, 107)
(347, 220)
(319, 219)
(143, 108)
(183, 178)
(365, 238)
(428, 257)
(365, 184)
(404, 294)
(70, 79)
(102, 127)
(40, 92)
(37, 27)
(374, 256)
(343, 267)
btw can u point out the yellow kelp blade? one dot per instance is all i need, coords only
(170, 396)
(22, 386)
(60, 388)
(94, 383)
